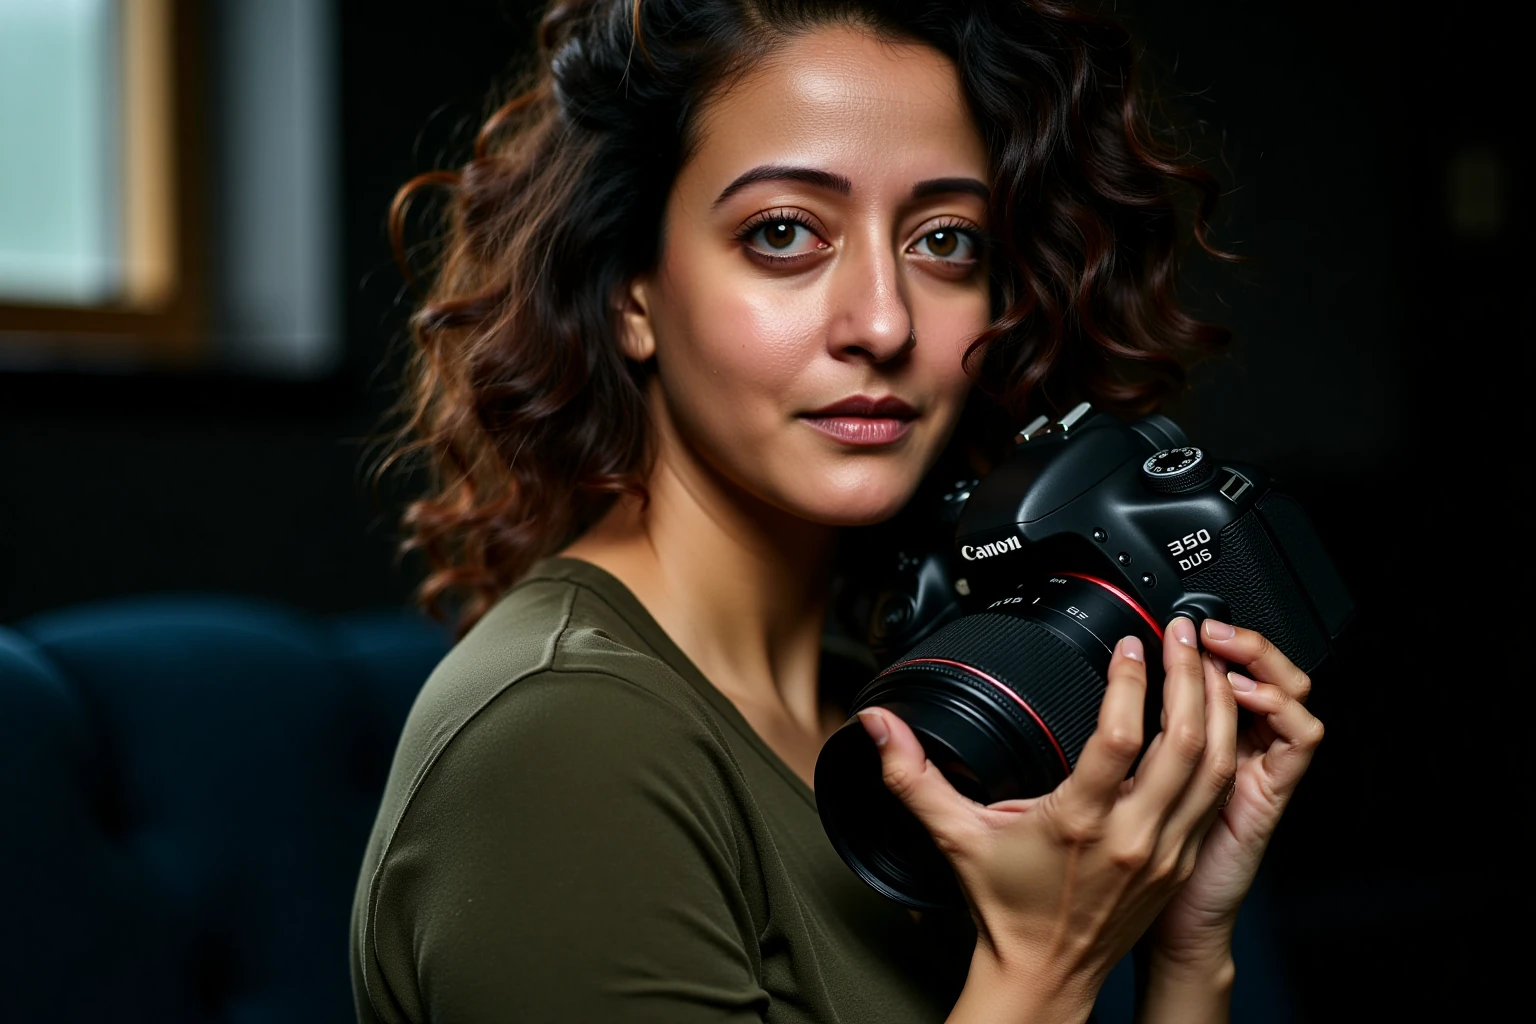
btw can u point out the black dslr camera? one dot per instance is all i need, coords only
(1094, 529)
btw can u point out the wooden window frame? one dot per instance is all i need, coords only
(162, 316)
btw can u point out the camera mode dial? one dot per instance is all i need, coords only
(1175, 470)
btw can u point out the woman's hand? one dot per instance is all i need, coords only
(1061, 886)
(1195, 930)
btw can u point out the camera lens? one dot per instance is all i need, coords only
(1002, 701)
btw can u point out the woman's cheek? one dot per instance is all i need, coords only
(763, 346)
(731, 369)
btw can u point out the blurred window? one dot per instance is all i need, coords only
(61, 196)
(88, 174)
(118, 250)
(96, 174)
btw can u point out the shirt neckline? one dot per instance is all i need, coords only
(618, 596)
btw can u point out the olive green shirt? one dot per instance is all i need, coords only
(579, 827)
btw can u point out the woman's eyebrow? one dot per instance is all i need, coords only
(841, 185)
(944, 186)
(769, 172)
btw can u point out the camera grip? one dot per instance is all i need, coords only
(1261, 589)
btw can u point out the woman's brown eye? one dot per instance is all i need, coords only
(782, 238)
(949, 244)
(779, 234)
(943, 243)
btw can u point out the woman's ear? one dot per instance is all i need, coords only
(637, 335)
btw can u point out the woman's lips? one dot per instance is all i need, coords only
(862, 421)
(861, 431)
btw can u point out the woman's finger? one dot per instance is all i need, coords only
(1218, 767)
(1116, 742)
(1297, 731)
(1165, 772)
(1265, 661)
(915, 780)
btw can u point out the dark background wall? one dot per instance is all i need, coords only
(1381, 367)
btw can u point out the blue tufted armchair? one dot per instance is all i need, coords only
(187, 785)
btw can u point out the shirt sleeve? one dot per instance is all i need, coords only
(573, 854)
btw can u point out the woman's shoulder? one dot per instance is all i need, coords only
(555, 777)
(553, 670)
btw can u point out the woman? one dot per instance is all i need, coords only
(719, 286)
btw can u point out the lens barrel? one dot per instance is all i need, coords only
(1002, 700)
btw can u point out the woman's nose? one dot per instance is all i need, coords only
(870, 316)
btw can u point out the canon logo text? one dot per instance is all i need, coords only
(971, 554)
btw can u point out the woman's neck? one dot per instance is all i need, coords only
(741, 587)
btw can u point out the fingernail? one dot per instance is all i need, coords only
(1183, 631)
(1219, 630)
(874, 724)
(1240, 681)
(1130, 647)
(1218, 661)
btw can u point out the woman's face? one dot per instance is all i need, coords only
(821, 277)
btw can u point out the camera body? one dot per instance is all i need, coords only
(1176, 529)
(995, 647)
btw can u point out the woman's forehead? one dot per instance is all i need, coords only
(845, 101)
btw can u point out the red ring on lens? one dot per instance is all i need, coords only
(973, 670)
(1122, 595)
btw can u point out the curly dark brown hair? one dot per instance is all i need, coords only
(519, 400)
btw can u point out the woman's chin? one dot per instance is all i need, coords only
(860, 508)
(844, 495)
